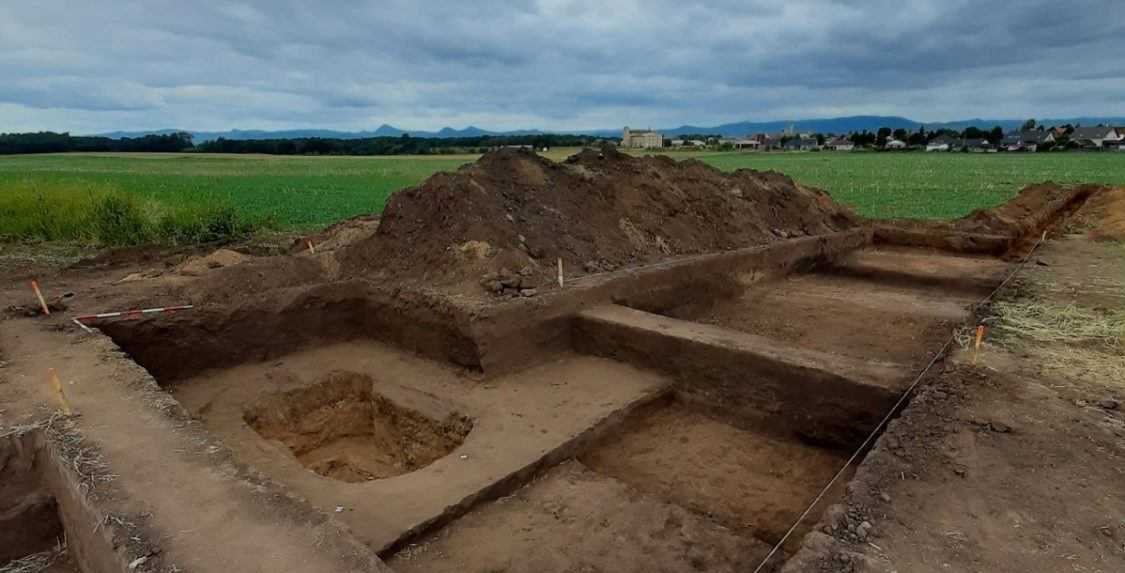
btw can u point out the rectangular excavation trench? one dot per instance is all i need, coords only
(439, 469)
(46, 524)
(673, 488)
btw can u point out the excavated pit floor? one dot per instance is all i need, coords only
(339, 428)
(839, 315)
(520, 424)
(881, 305)
(592, 461)
(674, 489)
(583, 463)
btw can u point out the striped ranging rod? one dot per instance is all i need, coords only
(129, 314)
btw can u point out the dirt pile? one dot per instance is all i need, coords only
(1026, 212)
(1011, 218)
(1104, 215)
(502, 222)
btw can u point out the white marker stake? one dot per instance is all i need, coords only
(311, 248)
(560, 273)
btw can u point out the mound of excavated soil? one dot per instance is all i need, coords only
(503, 221)
(1010, 219)
(1105, 215)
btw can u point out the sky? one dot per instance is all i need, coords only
(97, 66)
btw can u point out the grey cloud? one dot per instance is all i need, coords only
(550, 63)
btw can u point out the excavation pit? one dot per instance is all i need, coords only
(673, 488)
(752, 482)
(836, 314)
(32, 533)
(339, 428)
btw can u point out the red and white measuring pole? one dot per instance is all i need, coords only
(128, 314)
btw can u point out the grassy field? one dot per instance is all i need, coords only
(929, 185)
(121, 199)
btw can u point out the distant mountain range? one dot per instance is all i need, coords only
(838, 125)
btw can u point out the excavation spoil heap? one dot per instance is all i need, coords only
(514, 211)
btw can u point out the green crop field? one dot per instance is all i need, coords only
(929, 185)
(133, 198)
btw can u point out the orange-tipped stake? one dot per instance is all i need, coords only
(39, 295)
(311, 248)
(57, 386)
(980, 337)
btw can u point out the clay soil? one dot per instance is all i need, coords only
(340, 428)
(1014, 464)
(752, 483)
(841, 315)
(576, 519)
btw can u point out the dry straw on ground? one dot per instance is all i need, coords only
(1044, 322)
(36, 562)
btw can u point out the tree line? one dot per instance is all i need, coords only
(920, 137)
(49, 142)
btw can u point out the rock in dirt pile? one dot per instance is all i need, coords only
(503, 222)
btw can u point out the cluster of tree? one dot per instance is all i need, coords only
(403, 145)
(49, 142)
(921, 137)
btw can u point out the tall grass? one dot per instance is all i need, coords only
(101, 214)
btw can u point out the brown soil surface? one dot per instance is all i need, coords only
(341, 429)
(1009, 219)
(190, 505)
(752, 483)
(1105, 215)
(597, 211)
(841, 315)
(1016, 464)
(573, 519)
(336, 236)
(545, 413)
(196, 266)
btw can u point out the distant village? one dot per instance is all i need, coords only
(1030, 138)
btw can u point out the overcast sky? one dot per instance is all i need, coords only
(422, 64)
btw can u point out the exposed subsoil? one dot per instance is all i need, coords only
(840, 315)
(546, 412)
(576, 520)
(1014, 464)
(340, 428)
(1103, 217)
(755, 484)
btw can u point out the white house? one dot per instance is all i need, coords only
(839, 144)
(894, 144)
(941, 143)
(1096, 136)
